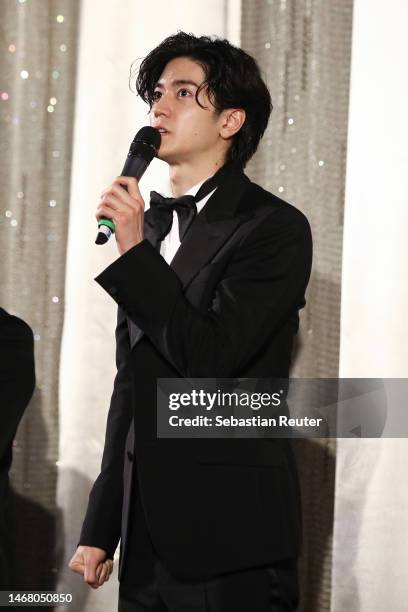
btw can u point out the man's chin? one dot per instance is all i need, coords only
(161, 156)
(166, 157)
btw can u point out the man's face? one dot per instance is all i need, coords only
(191, 133)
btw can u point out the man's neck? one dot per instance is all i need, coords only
(184, 176)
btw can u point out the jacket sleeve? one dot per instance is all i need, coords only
(102, 521)
(263, 286)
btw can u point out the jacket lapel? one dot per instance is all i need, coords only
(210, 230)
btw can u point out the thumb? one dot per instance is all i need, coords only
(77, 564)
(132, 186)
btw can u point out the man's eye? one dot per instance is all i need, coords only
(156, 95)
(183, 93)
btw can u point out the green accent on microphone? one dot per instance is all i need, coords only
(108, 223)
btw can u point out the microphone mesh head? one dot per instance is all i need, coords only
(150, 136)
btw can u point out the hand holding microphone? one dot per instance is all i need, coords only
(123, 205)
(121, 210)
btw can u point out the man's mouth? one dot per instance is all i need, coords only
(162, 131)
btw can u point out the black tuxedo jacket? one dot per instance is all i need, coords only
(227, 306)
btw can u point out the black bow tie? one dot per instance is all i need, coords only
(162, 212)
(185, 206)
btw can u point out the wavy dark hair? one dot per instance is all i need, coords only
(232, 80)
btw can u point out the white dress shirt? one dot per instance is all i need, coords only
(170, 243)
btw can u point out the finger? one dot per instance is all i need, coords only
(124, 195)
(115, 205)
(104, 574)
(114, 201)
(100, 572)
(109, 564)
(106, 212)
(94, 585)
(90, 572)
(132, 186)
(115, 188)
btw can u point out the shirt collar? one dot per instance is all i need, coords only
(192, 191)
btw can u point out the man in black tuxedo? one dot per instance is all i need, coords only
(17, 381)
(205, 525)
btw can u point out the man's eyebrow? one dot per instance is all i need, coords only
(177, 82)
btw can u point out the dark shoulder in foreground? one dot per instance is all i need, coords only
(14, 330)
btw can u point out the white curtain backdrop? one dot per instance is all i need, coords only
(107, 117)
(370, 559)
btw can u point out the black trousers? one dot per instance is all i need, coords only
(150, 586)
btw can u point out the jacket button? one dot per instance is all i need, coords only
(130, 456)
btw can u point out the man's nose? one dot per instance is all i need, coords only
(161, 107)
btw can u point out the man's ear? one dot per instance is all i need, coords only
(232, 121)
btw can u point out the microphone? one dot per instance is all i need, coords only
(144, 147)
